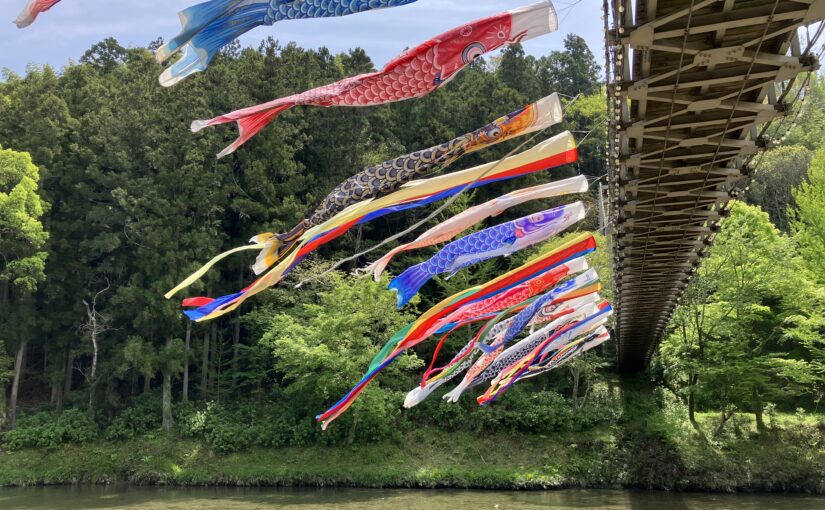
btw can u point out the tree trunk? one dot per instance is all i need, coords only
(2, 407)
(236, 344)
(58, 403)
(693, 381)
(358, 238)
(205, 366)
(69, 373)
(576, 376)
(57, 389)
(19, 362)
(147, 383)
(759, 412)
(185, 395)
(723, 421)
(167, 396)
(213, 359)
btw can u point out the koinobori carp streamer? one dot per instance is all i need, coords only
(209, 26)
(423, 328)
(553, 152)
(447, 230)
(387, 177)
(32, 10)
(415, 73)
(498, 241)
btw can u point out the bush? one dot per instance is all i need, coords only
(232, 428)
(47, 430)
(143, 417)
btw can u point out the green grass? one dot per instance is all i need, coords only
(652, 453)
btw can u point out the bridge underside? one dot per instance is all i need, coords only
(690, 83)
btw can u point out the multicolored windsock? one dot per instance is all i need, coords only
(484, 369)
(209, 26)
(447, 230)
(513, 296)
(32, 10)
(415, 73)
(529, 312)
(425, 326)
(569, 352)
(553, 152)
(499, 241)
(540, 353)
(389, 176)
(466, 358)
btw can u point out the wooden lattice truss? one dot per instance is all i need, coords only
(689, 84)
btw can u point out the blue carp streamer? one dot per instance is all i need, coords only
(210, 26)
(501, 240)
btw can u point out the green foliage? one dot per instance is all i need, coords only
(243, 426)
(23, 238)
(809, 217)
(323, 348)
(45, 430)
(727, 347)
(137, 420)
(780, 171)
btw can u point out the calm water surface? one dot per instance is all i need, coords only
(75, 498)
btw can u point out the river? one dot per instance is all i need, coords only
(124, 497)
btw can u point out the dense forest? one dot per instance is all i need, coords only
(107, 201)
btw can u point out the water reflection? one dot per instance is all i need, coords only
(124, 497)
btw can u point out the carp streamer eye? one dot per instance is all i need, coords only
(472, 52)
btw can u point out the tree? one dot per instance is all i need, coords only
(22, 239)
(780, 172)
(726, 341)
(96, 324)
(808, 219)
(323, 349)
(518, 71)
(572, 71)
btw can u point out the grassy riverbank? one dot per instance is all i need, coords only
(644, 454)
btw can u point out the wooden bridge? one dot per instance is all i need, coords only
(696, 88)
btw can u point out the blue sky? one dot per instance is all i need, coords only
(72, 26)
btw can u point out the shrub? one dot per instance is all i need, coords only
(47, 430)
(141, 418)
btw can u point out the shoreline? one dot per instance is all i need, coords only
(415, 463)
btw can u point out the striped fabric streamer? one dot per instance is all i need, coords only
(553, 152)
(425, 326)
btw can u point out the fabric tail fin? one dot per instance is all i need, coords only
(454, 395)
(197, 275)
(26, 16)
(378, 267)
(32, 9)
(419, 394)
(250, 122)
(192, 20)
(409, 283)
(208, 40)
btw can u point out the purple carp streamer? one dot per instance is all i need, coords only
(499, 241)
(389, 176)
(209, 26)
(447, 230)
(415, 73)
